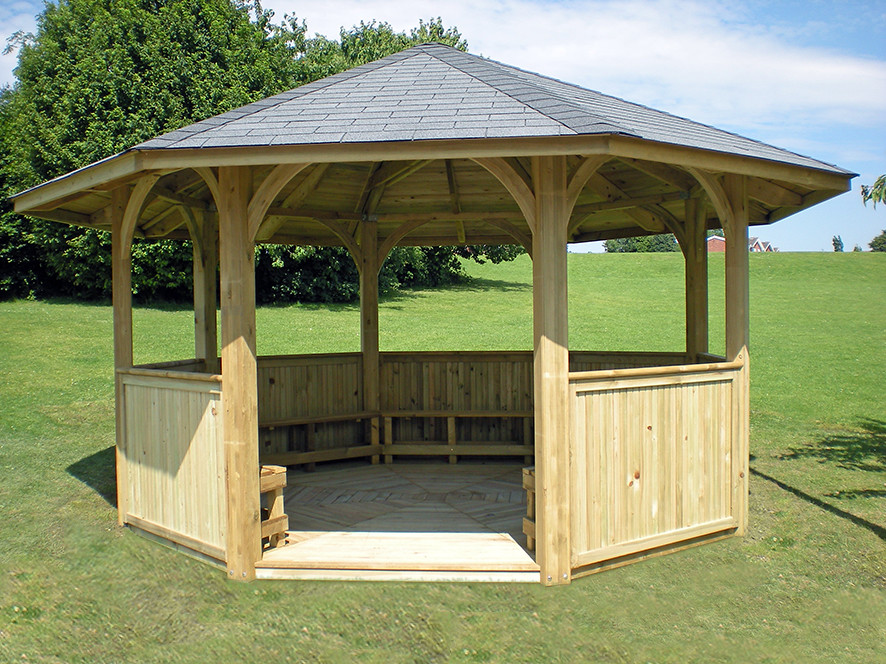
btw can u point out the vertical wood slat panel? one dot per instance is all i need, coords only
(174, 460)
(651, 461)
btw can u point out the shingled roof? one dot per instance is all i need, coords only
(436, 92)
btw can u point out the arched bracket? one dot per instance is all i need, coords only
(517, 187)
(391, 241)
(269, 190)
(580, 177)
(134, 207)
(718, 197)
(211, 180)
(509, 228)
(194, 223)
(341, 232)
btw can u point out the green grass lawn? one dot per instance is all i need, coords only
(807, 584)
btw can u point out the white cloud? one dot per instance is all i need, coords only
(696, 59)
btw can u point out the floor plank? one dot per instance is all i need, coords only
(354, 520)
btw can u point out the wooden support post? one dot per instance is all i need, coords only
(695, 255)
(389, 438)
(374, 438)
(206, 291)
(239, 375)
(551, 356)
(310, 444)
(121, 275)
(450, 438)
(369, 313)
(738, 336)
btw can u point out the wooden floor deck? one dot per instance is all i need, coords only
(407, 521)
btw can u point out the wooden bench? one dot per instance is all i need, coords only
(451, 447)
(274, 522)
(529, 519)
(310, 456)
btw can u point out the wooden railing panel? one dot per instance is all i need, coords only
(174, 458)
(457, 381)
(309, 386)
(652, 460)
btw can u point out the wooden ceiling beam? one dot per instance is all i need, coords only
(454, 197)
(662, 172)
(313, 214)
(271, 223)
(602, 186)
(176, 198)
(624, 203)
(173, 218)
(772, 194)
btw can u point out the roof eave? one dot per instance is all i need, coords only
(124, 166)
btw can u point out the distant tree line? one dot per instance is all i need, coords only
(99, 76)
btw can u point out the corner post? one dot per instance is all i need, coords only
(239, 375)
(369, 313)
(738, 337)
(551, 370)
(121, 277)
(695, 255)
(206, 291)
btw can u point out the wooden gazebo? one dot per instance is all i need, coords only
(634, 453)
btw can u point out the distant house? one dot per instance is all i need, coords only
(756, 244)
(717, 245)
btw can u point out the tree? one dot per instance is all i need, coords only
(876, 193)
(879, 242)
(838, 243)
(646, 243)
(102, 75)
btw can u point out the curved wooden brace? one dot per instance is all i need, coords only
(580, 178)
(194, 222)
(391, 241)
(516, 185)
(671, 223)
(134, 208)
(211, 182)
(267, 192)
(346, 238)
(513, 231)
(717, 195)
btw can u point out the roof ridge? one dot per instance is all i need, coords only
(508, 70)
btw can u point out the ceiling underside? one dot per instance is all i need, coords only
(436, 202)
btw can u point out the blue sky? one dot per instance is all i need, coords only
(805, 75)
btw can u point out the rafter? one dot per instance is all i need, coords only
(624, 203)
(613, 193)
(382, 175)
(662, 172)
(772, 194)
(179, 199)
(271, 224)
(454, 197)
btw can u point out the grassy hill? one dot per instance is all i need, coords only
(807, 584)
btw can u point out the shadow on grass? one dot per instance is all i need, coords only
(853, 450)
(98, 471)
(878, 530)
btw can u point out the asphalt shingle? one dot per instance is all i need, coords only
(433, 92)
